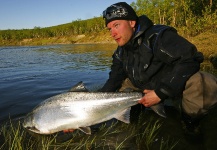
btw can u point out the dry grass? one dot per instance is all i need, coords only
(206, 43)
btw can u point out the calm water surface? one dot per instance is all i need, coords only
(31, 74)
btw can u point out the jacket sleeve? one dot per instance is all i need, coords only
(116, 75)
(182, 58)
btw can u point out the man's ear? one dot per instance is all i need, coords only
(132, 23)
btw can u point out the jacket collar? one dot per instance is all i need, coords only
(143, 24)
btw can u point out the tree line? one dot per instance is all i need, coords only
(75, 28)
(190, 16)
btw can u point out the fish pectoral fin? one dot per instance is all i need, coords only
(68, 131)
(86, 130)
(124, 115)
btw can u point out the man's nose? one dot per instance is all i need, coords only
(113, 33)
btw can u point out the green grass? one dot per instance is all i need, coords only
(116, 135)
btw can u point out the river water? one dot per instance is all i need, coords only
(30, 74)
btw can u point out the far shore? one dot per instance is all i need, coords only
(205, 42)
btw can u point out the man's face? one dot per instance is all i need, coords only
(121, 30)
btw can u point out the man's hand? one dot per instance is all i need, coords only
(150, 98)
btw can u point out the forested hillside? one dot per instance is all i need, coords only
(190, 17)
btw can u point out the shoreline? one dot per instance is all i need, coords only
(205, 42)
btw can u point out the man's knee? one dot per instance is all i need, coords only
(200, 94)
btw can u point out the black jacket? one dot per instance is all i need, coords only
(156, 58)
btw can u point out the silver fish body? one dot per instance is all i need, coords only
(79, 109)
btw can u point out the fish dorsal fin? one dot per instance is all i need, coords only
(124, 115)
(79, 87)
(86, 130)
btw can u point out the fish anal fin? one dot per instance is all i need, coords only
(79, 87)
(124, 115)
(86, 130)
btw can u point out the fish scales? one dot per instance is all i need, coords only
(77, 109)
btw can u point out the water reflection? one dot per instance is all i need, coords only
(31, 74)
(82, 56)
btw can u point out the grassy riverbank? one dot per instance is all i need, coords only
(115, 135)
(99, 37)
(205, 42)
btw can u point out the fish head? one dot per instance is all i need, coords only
(37, 124)
(30, 124)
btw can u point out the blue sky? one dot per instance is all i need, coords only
(27, 14)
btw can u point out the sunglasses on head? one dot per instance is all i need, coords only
(114, 11)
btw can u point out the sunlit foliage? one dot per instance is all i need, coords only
(189, 16)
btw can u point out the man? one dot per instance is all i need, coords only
(154, 59)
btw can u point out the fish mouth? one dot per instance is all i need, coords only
(33, 129)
